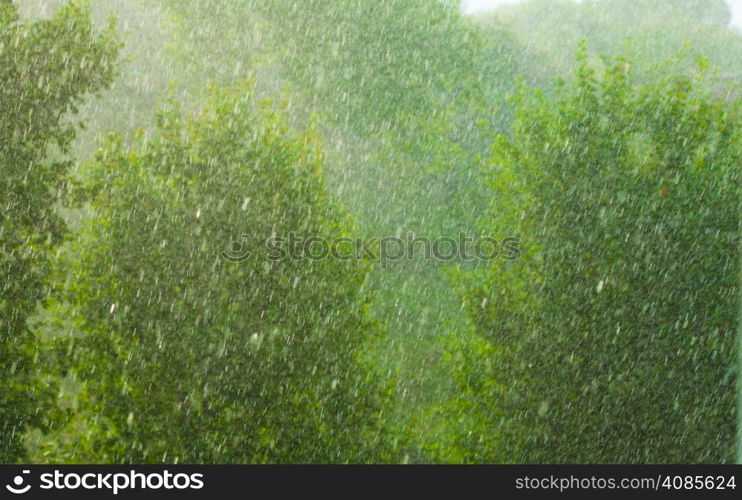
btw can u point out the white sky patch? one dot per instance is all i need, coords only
(474, 6)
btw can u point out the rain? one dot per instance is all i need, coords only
(370, 231)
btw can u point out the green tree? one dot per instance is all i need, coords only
(615, 331)
(46, 69)
(186, 351)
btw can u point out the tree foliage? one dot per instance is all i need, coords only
(616, 330)
(46, 69)
(186, 352)
(646, 31)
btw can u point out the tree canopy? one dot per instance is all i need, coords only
(46, 69)
(624, 303)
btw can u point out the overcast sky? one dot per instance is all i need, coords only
(471, 6)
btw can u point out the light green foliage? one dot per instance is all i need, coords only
(46, 68)
(184, 355)
(401, 90)
(615, 331)
(646, 31)
(464, 427)
(145, 69)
